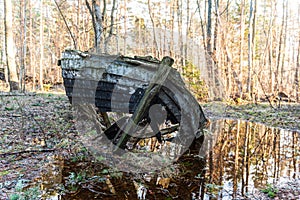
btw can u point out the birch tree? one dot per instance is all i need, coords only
(97, 19)
(251, 47)
(9, 47)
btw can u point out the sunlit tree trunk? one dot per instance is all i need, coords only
(155, 49)
(284, 27)
(219, 91)
(180, 35)
(23, 39)
(186, 46)
(251, 47)
(270, 47)
(172, 11)
(125, 27)
(297, 73)
(111, 28)
(32, 64)
(9, 47)
(78, 35)
(97, 18)
(280, 49)
(41, 79)
(209, 62)
(242, 32)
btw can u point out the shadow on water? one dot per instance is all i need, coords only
(236, 160)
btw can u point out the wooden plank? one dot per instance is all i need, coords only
(143, 106)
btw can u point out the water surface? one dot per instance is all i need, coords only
(236, 160)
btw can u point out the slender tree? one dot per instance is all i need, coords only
(41, 79)
(23, 37)
(251, 47)
(280, 48)
(9, 47)
(155, 49)
(111, 27)
(97, 20)
(209, 62)
(242, 33)
(297, 73)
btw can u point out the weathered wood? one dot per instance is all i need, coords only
(132, 85)
(2, 74)
(105, 119)
(143, 106)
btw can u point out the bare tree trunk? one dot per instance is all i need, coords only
(125, 27)
(242, 32)
(41, 79)
(202, 24)
(110, 33)
(254, 84)
(156, 49)
(9, 47)
(270, 47)
(24, 45)
(31, 49)
(97, 18)
(209, 62)
(180, 35)
(297, 74)
(217, 76)
(187, 32)
(280, 51)
(284, 26)
(172, 11)
(251, 48)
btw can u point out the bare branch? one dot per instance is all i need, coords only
(65, 21)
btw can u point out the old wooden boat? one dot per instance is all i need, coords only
(131, 85)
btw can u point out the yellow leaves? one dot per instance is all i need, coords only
(110, 185)
(39, 142)
(164, 182)
(47, 87)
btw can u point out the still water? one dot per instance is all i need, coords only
(243, 157)
(237, 160)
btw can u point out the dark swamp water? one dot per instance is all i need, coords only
(236, 161)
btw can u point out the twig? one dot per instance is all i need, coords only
(26, 151)
(72, 36)
(263, 89)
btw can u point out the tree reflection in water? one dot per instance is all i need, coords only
(244, 157)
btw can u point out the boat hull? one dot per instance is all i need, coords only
(117, 84)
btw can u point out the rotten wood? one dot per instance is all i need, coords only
(129, 85)
(143, 106)
(105, 119)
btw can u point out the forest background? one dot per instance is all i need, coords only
(238, 48)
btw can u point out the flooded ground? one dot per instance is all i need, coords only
(247, 157)
(42, 158)
(241, 160)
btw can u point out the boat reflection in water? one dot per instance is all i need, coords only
(236, 161)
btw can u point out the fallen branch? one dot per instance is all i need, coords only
(26, 151)
(17, 94)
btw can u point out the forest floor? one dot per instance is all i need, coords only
(38, 127)
(287, 116)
